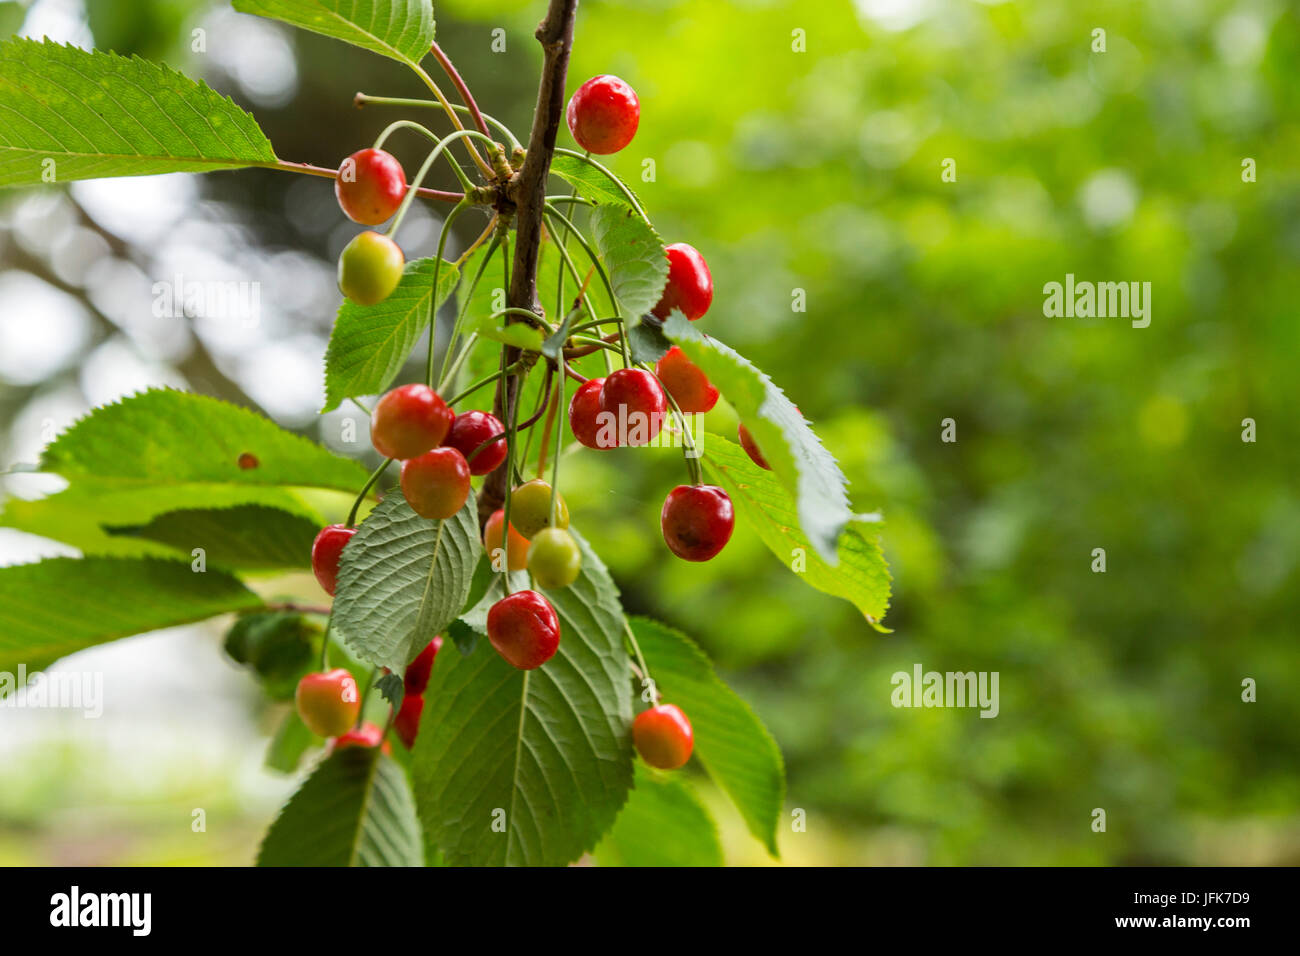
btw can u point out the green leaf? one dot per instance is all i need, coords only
(401, 29)
(245, 536)
(78, 514)
(279, 646)
(371, 343)
(731, 743)
(647, 341)
(403, 579)
(354, 810)
(546, 755)
(97, 114)
(796, 454)
(554, 343)
(663, 824)
(860, 576)
(591, 182)
(290, 742)
(62, 605)
(495, 327)
(391, 688)
(165, 437)
(634, 257)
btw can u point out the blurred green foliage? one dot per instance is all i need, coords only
(821, 171)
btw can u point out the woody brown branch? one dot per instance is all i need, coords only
(528, 191)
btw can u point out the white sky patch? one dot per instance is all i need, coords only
(42, 329)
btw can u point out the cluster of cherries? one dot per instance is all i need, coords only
(440, 451)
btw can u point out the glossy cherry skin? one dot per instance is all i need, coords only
(370, 268)
(524, 629)
(697, 521)
(663, 736)
(471, 429)
(637, 403)
(517, 553)
(436, 483)
(417, 673)
(584, 408)
(530, 508)
(751, 449)
(370, 185)
(367, 735)
(408, 421)
(686, 382)
(554, 558)
(690, 286)
(603, 114)
(407, 721)
(326, 551)
(328, 702)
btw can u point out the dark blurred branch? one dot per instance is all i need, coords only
(528, 192)
(198, 367)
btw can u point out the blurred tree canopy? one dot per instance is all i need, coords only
(802, 147)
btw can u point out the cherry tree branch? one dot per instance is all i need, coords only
(528, 193)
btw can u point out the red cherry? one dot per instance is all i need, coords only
(408, 421)
(751, 449)
(690, 287)
(524, 629)
(367, 735)
(437, 483)
(663, 736)
(328, 701)
(326, 551)
(407, 721)
(471, 429)
(686, 383)
(370, 186)
(603, 114)
(417, 674)
(517, 554)
(583, 409)
(697, 521)
(636, 400)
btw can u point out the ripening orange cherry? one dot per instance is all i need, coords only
(328, 702)
(663, 736)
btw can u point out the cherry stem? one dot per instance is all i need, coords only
(433, 295)
(361, 99)
(636, 650)
(325, 645)
(288, 167)
(370, 483)
(411, 124)
(607, 342)
(486, 380)
(519, 428)
(451, 115)
(546, 430)
(445, 62)
(512, 413)
(688, 441)
(559, 440)
(450, 368)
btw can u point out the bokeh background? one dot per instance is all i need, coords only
(821, 171)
